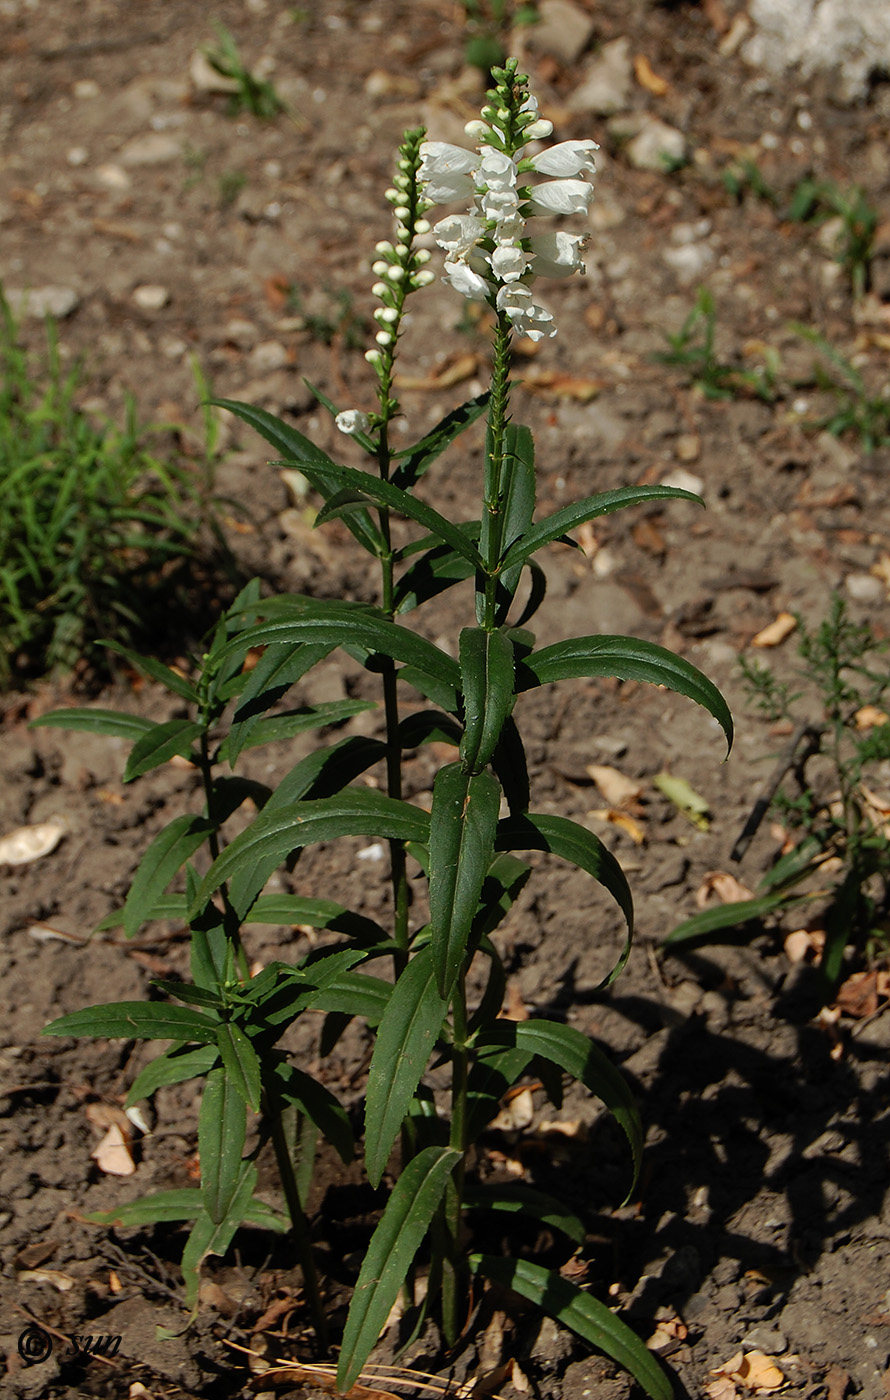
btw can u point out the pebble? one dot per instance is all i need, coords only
(684, 481)
(86, 88)
(113, 177)
(688, 261)
(269, 355)
(38, 302)
(688, 447)
(155, 148)
(606, 84)
(151, 297)
(563, 30)
(864, 588)
(78, 155)
(652, 144)
(769, 1340)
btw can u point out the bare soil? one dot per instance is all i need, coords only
(762, 1221)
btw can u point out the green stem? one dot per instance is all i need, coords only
(453, 1290)
(492, 532)
(231, 920)
(300, 1232)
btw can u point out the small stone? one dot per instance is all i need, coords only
(688, 447)
(655, 145)
(864, 588)
(151, 297)
(684, 481)
(78, 155)
(156, 148)
(240, 332)
(38, 302)
(86, 88)
(769, 1340)
(606, 84)
(269, 355)
(113, 177)
(689, 261)
(563, 30)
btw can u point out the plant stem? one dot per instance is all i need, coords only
(453, 1291)
(492, 532)
(300, 1232)
(232, 922)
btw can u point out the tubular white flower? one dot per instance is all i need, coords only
(446, 171)
(567, 159)
(539, 130)
(561, 197)
(557, 254)
(459, 234)
(525, 315)
(352, 420)
(463, 279)
(496, 171)
(509, 262)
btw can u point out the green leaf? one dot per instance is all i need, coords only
(276, 671)
(690, 803)
(273, 728)
(157, 671)
(166, 855)
(724, 916)
(395, 1242)
(405, 1039)
(515, 1198)
(355, 994)
(292, 622)
(539, 831)
(210, 1237)
(433, 573)
(518, 507)
(392, 497)
(161, 1207)
(463, 824)
(272, 836)
(240, 1063)
(575, 1054)
(628, 658)
(556, 525)
(318, 1104)
(174, 1066)
(302, 453)
(428, 727)
(295, 909)
(414, 461)
(364, 439)
(486, 674)
(137, 1020)
(442, 693)
(110, 722)
(222, 1129)
(495, 1070)
(160, 744)
(583, 1314)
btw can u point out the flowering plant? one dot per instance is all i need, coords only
(226, 1027)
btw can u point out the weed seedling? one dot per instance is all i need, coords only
(253, 94)
(820, 200)
(842, 857)
(455, 867)
(858, 410)
(692, 349)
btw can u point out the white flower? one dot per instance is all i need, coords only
(463, 279)
(557, 254)
(567, 159)
(352, 420)
(496, 171)
(446, 170)
(561, 197)
(508, 262)
(525, 315)
(459, 234)
(502, 207)
(539, 130)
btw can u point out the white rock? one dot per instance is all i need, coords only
(656, 145)
(267, 356)
(607, 81)
(113, 177)
(689, 261)
(151, 297)
(864, 588)
(848, 37)
(563, 30)
(78, 155)
(86, 88)
(683, 481)
(155, 148)
(38, 302)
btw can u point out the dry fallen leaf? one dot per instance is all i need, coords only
(805, 945)
(726, 887)
(776, 632)
(870, 717)
(721, 1389)
(859, 995)
(617, 788)
(648, 78)
(453, 370)
(113, 1154)
(623, 821)
(517, 1113)
(551, 383)
(29, 843)
(63, 1282)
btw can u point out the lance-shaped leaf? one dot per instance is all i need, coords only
(138, 1020)
(583, 1314)
(158, 745)
(515, 1198)
(295, 909)
(174, 1066)
(166, 855)
(486, 675)
(302, 453)
(271, 729)
(731, 916)
(414, 461)
(110, 722)
(517, 508)
(405, 1039)
(276, 671)
(157, 671)
(212, 1237)
(463, 824)
(434, 572)
(395, 1242)
(354, 994)
(628, 658)
(539, 831)
(495, 1070)
(272, 836)
(293, 1086)
(384, 493)
(240, 1063)
(179, 1203)
(576, 1054)
(340, 624)
(222, 1128)
(569, 517)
